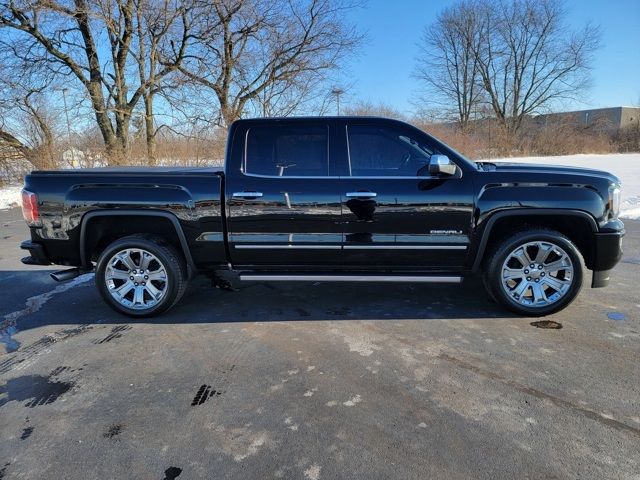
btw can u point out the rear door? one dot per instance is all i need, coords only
(395, 215)
(283, 204)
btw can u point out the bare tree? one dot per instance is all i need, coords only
(27, 118)
(285, 98)
(447, 63)
(124, 58)
(30, 136)
(263, 50)
(368, 108)
(66, 37)
(517, 56)
(162, 34)
(528, 58)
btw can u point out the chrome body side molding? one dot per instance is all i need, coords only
(351, 278)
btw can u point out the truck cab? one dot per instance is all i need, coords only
(342, 194)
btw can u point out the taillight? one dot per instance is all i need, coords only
(30, 210)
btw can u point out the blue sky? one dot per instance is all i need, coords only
(382, 73)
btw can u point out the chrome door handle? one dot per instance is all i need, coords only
(247, 194)
(361, 194)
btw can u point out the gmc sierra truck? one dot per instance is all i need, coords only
(331, 199)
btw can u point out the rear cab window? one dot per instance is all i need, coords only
(287, 151)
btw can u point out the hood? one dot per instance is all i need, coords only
(536, 168)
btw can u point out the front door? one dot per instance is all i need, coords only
(395, 215)
(283, 207)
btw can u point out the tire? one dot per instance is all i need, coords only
(553, 282)
(141, 292)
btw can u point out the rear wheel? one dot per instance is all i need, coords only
(534, 272)
(141, 276)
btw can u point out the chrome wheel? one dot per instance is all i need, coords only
(537, 274)
(136, 278)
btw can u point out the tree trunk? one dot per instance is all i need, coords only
(113, 150)
(123, 119)
(47, 145)
(150, 129)
(228, 112)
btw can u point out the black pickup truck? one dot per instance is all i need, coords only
(328, 199)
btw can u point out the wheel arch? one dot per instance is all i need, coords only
(576, 225)
(169, 228)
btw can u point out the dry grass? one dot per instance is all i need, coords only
(487, 140)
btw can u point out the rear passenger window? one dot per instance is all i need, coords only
(284, 151)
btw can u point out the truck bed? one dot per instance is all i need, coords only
(75, 207)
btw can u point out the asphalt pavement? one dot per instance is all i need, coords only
(316, 381)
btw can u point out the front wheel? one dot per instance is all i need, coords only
(534, 272)
(141, 276)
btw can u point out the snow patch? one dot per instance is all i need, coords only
(309, 393)
(353, 401)
(313, 472)
(629, 206)
(241, 443)
(10, 196)
(253, 447)
(360, 341)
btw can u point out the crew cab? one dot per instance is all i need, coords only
(333, 199)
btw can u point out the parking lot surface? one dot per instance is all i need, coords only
(316, 381)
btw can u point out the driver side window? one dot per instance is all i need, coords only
(382, 151)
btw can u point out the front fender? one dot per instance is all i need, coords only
(484, 230)
(500, 197)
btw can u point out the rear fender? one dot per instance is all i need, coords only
(88, 217)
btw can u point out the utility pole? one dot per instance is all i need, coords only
(337, 91)
(66, 114)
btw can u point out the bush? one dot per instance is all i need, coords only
(628, 139)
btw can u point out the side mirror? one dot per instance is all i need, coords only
(441, 165)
